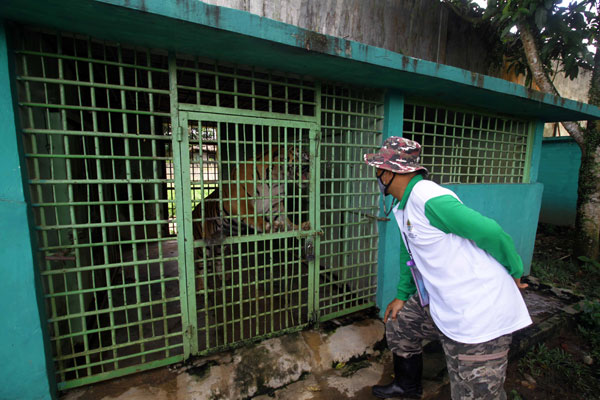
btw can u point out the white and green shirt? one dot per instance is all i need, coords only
(467, 261)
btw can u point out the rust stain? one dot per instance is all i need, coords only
(314, 41)
(348, 49)
(214, 15)
(477, 79)
(535, 95)
(314, 342)
(404, 62)
(337, 47)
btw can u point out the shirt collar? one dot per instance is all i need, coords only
(415, 179)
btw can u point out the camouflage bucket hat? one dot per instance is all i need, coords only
(398, 155)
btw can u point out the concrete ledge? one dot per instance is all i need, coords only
(340, 364)
(278, 362)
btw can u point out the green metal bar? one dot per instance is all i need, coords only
(91, 109)
(89, 59)
(187, 232)
(113, 309)
(267, 116)
(180, 122)
(96, 133)
(121, 87)
(118, 347)
(530, 147)
(235, 76)
(316, 203)
(114, 374)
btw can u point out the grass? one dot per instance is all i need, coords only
(561, 370)
(554, 264)
(568, 367)
(559, 367)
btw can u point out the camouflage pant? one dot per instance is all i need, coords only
(476, 371)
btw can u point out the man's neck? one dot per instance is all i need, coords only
(399, 185)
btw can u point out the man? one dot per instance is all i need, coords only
(468, 279)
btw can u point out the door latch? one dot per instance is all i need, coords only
(309, 250)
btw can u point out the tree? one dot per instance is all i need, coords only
(549, 35)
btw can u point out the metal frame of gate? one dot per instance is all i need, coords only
(248, 299)
(113, 172)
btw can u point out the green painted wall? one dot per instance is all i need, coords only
(388, 268)
(559, 172)
(516, 207)
(25, 372)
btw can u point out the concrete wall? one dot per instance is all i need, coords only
(25, 369)
(424, 29)
(559, 172)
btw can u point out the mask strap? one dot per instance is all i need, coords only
(388, 212)
(385, 210)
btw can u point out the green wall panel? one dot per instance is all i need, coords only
(559, 172)
(24, 370)
(389, 236)
(514, 206)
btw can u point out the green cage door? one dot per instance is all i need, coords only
(248, 199)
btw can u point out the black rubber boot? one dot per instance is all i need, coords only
(407, 379)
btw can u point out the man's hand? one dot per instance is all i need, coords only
(393, 309)
(519, 284)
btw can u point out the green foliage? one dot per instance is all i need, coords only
(558, 366)
(582, 279)
(587, 260)
(562, 32)
(515, 395)
(589, 329)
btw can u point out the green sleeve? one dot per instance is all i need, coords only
(406, 285)
(451, 216)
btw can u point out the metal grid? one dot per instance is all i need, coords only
(469, 147)
(252, 277)
(94, 116)
(118, 189)
(351, 125)
(207, 83)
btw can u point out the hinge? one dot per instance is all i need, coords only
(180, 134)
(313, 319)
(189, 332)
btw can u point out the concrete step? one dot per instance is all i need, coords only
(341, 360)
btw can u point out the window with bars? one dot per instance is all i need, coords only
(102, 172)
(209, 83)
(351, 124)
(93, 115)
(468, 147)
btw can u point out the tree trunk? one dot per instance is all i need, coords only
(587, 223)
(588, 201)
(542, 80)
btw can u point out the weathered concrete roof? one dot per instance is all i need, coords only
(193, 27)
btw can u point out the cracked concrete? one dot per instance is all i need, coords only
(340, 364)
